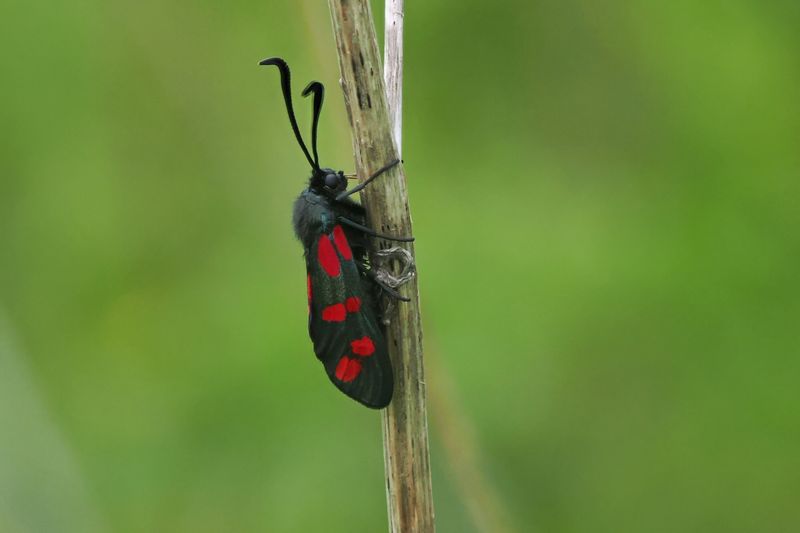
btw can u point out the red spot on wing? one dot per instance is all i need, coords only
(327, 257)
(353, 304)
(348, 369)
(341, 243)
(363, 347)
(334, 313)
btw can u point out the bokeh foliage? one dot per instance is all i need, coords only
(606, 199)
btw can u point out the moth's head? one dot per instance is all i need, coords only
(328, 181)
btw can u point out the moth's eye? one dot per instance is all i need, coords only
(331, 181)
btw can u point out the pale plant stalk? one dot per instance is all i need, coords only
(393, 68)
(405, 425)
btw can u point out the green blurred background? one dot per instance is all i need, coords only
(605, 196)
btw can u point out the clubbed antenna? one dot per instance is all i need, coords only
(319, 95)
(286, 85)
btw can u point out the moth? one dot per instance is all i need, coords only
(343, 288)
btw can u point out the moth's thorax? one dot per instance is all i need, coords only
(313, 214)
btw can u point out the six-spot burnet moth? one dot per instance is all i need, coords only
(342, 312)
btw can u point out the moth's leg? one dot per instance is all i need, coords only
(380, 283)
(355, 225)
(367, 181)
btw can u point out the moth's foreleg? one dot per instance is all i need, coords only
(367, 181)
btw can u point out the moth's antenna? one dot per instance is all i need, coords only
(286, 85)
(319, 95)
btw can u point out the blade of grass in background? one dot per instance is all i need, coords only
(41, 485)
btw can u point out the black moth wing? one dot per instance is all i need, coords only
(343, 324)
